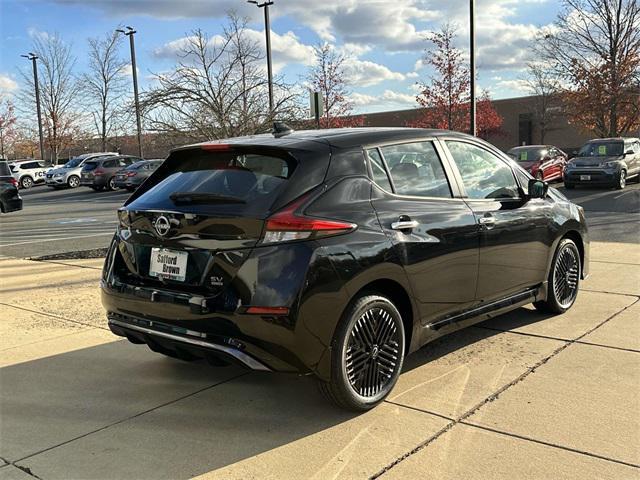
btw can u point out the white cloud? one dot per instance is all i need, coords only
(364, 73)
(7, 84)
(515, 85)
(388, 100)
(35, 33)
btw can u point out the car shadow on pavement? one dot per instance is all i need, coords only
(120, 408)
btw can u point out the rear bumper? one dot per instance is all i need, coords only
(11, 205)
(162, 336)
(126, 184)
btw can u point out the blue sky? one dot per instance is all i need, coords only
(384, 39)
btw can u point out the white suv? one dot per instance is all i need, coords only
(28, 172)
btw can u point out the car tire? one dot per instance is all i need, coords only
(569, 186)
(622, 180)
(111, 184)
(367, 354)
(564, 279)
(73, 181)
(26, 182)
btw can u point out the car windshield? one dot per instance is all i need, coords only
(243, 183)
(74, 162)
(601, 149)
(527, 154)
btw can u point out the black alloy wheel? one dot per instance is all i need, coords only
(367, 354)
(111, 184)
(564, 279)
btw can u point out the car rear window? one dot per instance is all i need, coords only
(527, 154)
(250, 180)
(4, 169)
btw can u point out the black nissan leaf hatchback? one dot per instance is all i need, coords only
(336, 252)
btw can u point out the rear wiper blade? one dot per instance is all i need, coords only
(192, 197)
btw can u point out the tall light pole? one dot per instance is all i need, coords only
(130, 33)
(472, 67)
(267, 31)
(33, 57)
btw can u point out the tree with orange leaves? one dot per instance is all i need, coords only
(445, 97)
(594, 51)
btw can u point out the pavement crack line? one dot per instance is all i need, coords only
(53, 316)
(131, 417)
(494, 396)
(547, 337)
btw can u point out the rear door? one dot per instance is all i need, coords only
(515, 233)
(434, 234)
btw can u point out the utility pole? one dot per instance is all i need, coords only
(472, 67)
(267, 31)
(33, 57)
(130, 33)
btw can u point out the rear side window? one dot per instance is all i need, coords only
(378, 170)
(228, 181)
(90, 166)
(416, 170)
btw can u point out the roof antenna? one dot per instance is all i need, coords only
(280, 129)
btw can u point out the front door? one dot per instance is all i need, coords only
(435, 235)
(515, 233)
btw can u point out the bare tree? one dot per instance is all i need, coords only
(58, 91)
(104, 84)
(594, 48)
(328, 77)
(7, 124)
(218, 88)
(542, 84)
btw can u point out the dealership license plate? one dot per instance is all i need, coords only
(168, 264)
(585, 177)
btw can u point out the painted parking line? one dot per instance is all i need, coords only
(56, 239)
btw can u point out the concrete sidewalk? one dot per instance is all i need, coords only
(521, 396)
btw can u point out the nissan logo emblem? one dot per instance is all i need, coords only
(162, 225)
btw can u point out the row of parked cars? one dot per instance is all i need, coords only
(602, 161)
(99, 171)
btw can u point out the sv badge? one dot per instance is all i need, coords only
(217, 281)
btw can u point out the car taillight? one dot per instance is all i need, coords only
(291, 224)
(13, 182)
(98, 171)
(131, 174)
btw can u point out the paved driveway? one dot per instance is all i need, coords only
(520, 396)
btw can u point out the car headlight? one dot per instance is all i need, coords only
(57, 175)
(611, 164)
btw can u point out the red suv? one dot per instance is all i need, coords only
(544, 162)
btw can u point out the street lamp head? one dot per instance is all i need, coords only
(30, 56)
(119, 30)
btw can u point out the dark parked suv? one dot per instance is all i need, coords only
(100, 173)
(336, 252)
(606, 162)
(10, 199)
(133, 176)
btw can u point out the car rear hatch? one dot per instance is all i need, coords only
(194, 222)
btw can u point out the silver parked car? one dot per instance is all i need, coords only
(68, 175)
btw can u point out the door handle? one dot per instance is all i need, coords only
(404, 225)
(487, 222)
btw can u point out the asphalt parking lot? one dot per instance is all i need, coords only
(524, 395)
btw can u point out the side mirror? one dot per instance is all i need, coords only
(537, 188)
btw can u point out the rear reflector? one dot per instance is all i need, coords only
(268, 310)
(287, 225)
